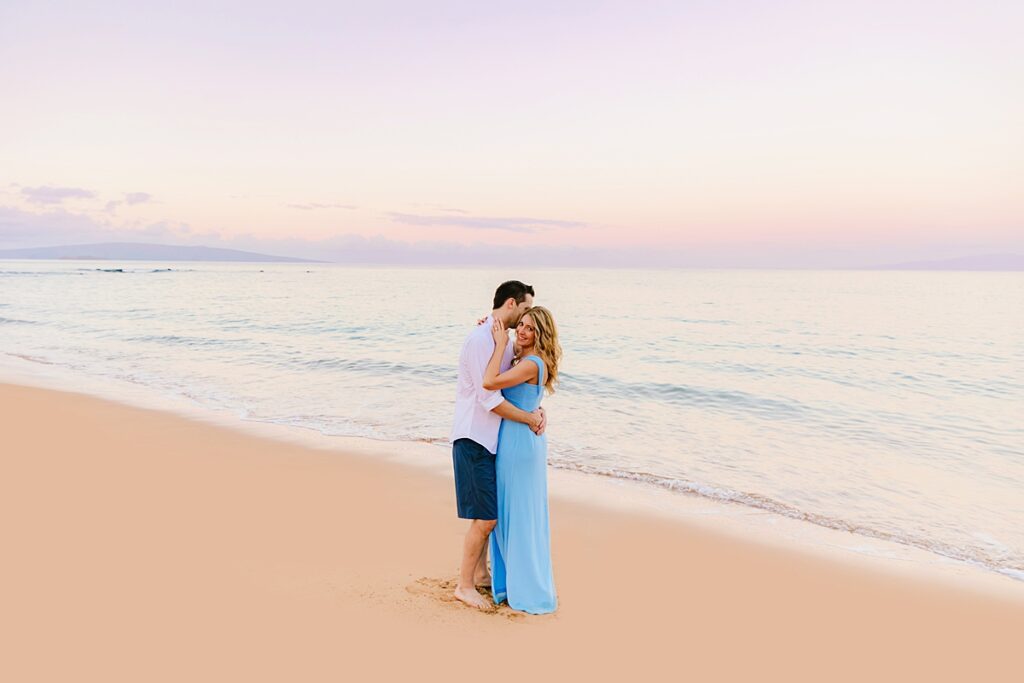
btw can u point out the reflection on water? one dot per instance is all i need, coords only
(887, 404)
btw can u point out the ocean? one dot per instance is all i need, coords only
(886, 404)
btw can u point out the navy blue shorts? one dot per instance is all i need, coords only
(476, 487)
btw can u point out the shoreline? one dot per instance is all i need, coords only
(144, 545)
(744, 522)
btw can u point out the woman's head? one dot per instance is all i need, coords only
(537, 329)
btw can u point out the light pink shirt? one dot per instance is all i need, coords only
(473, 404)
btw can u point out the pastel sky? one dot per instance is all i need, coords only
(671, 133)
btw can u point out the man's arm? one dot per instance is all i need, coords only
(509, 412)
(479, 354)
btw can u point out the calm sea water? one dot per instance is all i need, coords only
(888, 404)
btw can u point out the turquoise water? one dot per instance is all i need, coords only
(888, 404)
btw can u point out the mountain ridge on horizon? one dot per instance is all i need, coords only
(150, 251)
(145, 251)
(986, 262)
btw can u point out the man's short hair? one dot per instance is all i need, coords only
(513, 289)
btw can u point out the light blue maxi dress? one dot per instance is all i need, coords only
(521, 541)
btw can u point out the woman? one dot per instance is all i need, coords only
(521, 542)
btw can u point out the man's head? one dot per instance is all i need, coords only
(511, 300)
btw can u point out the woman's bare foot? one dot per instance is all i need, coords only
(483, 580)
(472, 598)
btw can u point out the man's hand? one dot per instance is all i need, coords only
(541, 423)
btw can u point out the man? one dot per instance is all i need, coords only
(474, 437)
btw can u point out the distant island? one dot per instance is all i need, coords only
(1003, 262)
(138, 251)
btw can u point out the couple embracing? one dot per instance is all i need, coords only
(500, 453)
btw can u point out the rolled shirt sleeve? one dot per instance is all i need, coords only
(481, 352)
(474, 406)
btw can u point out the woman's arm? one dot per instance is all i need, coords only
(517, 374)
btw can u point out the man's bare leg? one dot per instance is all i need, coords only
(482, 575)
(472, 548)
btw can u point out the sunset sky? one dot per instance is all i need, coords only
(662, 133)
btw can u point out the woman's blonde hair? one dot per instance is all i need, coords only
(546, 343)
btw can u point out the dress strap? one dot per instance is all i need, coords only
(540, 369)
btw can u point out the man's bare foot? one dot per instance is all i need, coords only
(483, 580)
(472, 598)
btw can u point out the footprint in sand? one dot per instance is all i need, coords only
(442, 590)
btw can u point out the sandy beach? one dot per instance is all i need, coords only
(140, 545)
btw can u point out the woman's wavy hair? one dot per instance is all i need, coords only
(546, 343)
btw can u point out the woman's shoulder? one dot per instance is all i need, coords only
(538, 362)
